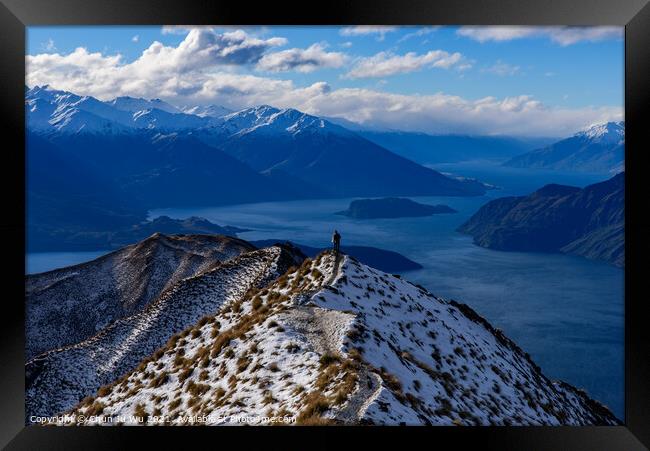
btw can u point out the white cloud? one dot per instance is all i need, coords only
(561, 35)
(179, 29)
(365, 30)
(204, 47)
(442, 113)
(172, 71)
(301, 60)
(502, 69)
(385, 63)
(199, 71)
(346, 44)
(135, 38)
(419, 32)
(572, 35)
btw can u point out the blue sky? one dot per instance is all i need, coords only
(533, 70)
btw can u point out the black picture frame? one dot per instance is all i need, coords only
(15, 15)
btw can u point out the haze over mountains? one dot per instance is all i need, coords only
(600, 148)
(433, 149)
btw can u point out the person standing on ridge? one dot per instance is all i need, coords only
(336, 239)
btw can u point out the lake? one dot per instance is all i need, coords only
(45, 261)
(566, 312)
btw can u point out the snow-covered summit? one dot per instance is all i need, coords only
(133, 104)
(67, 112)
(45, 92)
(214, 111)
(598, 148)
(609, 132)
(156, 119)
(340, 342)
(268, 119)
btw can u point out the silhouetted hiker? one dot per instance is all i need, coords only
(336, 239)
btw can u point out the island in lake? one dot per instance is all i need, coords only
(391, 207)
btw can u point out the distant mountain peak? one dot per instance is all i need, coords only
(38, 89)
(268, 119)
(265, 108)
(133, 104)
(214, 111)
(605, 132)
(49, 94)
(598, 148)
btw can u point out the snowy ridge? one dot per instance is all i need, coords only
(340, 342)
(68, 305)
(133, 104)
(58, 379)
(266, 119)
(62, 111)
(214, 111)
(48, 109)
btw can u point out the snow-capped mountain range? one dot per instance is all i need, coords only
(296, 154)
(66, 112)
(323, 341)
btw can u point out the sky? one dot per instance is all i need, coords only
(518, 81)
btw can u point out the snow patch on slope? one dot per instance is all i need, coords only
(58, 379)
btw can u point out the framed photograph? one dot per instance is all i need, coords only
(429, 215)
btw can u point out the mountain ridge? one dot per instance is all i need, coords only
(337, 342)
(115, 285)
(60, 377)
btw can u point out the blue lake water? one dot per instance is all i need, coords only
(45, 261)
(566, 311)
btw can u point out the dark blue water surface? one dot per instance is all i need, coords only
(566, 311)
